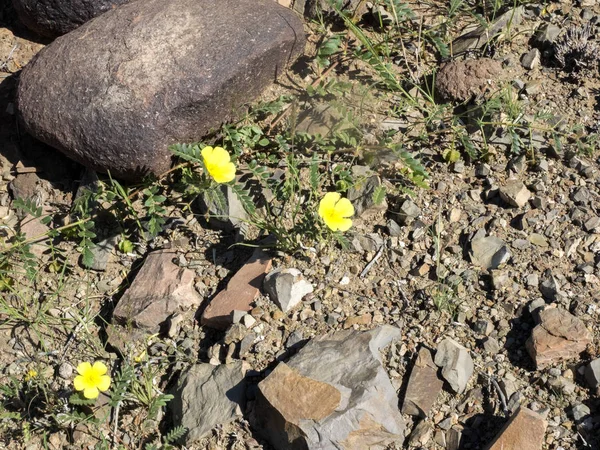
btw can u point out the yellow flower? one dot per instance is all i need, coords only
(335, 210)
(31, 375)
(218, 163)
(91, 379)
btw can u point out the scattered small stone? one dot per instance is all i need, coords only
(423, 387)
(408, 212)
(489, 252)
(421, 434)
(559, 336)
(286, 287)
(515, 193)
(65, 371)
(206, 396)
(491, 345)
(538, 240)
(241, 291)
(531, 59)
(456, 363)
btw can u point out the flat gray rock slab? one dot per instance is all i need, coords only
(489, 252)
(456, 363)
(207, 396)
(424, 385)
(160, 289)
(116, 92)
(52, 18)
(359, 407)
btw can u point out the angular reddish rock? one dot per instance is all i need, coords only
(116, 92)
(52, 18)
(424, 385)
(160, 289)
(298, 398)
(241, 291)
(525, 430)
(559, 336)
(333, 394)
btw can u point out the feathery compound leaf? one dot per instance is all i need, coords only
(409, 161)
(244, 196)
(215, 196)
(175, 434)
(188, 152)
(29, 206)
(379, 195)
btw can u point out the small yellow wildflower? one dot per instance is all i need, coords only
(218, 164)
(31, 375)
(91, 379)
(335, 211)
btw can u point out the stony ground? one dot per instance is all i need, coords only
(480, 257)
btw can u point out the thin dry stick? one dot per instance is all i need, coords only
(372, 262)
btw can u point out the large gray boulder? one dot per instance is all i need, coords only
(116, 92)
(334, 394)
(52, 18)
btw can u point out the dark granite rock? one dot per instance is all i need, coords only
(52, 18)
(116, 92)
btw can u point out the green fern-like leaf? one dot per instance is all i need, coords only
(79, 400)
(215, 196)
(244, 196)
(379, 195)
(28, 206)
(175, 434)
(188, 152)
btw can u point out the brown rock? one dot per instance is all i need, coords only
(423, 385)
(524, 431)
(297, 397)
(153, 73)
(460, 81)
(160, 289)
(33, 228)
(515, 193)
(559, 336)
(363, 319)
(241, 291)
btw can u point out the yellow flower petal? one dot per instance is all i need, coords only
(104, 383)
(83, 367)
(224, 174)
(79, 383)
(91, 392)
(328, 202)
(99, 368)
(335, 210)
(344, 224)
(218, 164)
(344, 208)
